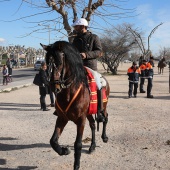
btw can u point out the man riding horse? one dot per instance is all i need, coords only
(90, 48)
(161, 65)
(69, 82)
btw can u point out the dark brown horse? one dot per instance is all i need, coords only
(70, 85)
(161, 66)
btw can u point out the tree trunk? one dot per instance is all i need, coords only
(114, 70)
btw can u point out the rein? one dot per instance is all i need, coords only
(74, 97)
(61, 82)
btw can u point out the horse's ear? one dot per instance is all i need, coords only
(45, 47)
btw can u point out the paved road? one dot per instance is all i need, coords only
(23, 73)
(21, 77)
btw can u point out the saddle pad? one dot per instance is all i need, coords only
(93, 93)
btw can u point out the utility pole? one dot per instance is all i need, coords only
(49, 32)
(151, 34)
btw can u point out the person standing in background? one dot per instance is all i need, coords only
(146, 73)
(133, 73)
(151, 61)
(43, 88)
(50, 92)
(5, 75)
(9, 65)
(140, 60)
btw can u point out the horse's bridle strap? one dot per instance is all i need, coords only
(76, 94)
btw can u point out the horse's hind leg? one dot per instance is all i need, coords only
(104, 136)
(92, 126)
(60, 124)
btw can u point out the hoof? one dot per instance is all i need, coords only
(66, 151)
(92, 149)
(105, 139)
(76, 167)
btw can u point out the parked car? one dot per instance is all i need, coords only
(22, 62)
(127, 61)
(37, 64)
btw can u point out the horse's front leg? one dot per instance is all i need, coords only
(60, 124)
(93, 128)
(104, 136)
(78, 143)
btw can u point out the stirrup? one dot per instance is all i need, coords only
(100, 117)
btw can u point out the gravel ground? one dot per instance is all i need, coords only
(138, 130)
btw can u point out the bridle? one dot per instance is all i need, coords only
(58, 74)
(61, 77)
(61, 83)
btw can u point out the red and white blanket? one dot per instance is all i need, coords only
(93, 93)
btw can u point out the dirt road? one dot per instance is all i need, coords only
(138, 131)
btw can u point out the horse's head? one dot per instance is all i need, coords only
(65, 65)
(55, 59)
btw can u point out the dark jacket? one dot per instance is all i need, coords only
(146, 70)
(9, 63)
(90, 44)
(140, 60)
(133, 74)
(43, 88)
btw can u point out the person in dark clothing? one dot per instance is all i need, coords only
(142, 77)
(146, 73)
(5, 75)
(133, 73)
(43, 88)
(140, 60)
(51, 98)
(151, 61)
(9, 65)
(50, 92)
(88, 44)
(90, 49)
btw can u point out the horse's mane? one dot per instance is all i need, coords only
(73, 58)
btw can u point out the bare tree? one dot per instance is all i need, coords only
(65, 12)
(116, 45)
(134, 56)
(165, 52)
(140, 41)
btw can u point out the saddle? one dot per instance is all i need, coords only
(93, 92)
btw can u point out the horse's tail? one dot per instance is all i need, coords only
(107, 90)
(107, 87)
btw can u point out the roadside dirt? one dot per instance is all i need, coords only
(138, 130)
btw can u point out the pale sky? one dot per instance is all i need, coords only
(148, 14)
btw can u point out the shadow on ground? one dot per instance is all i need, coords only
(9, 147)
(19, 106)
